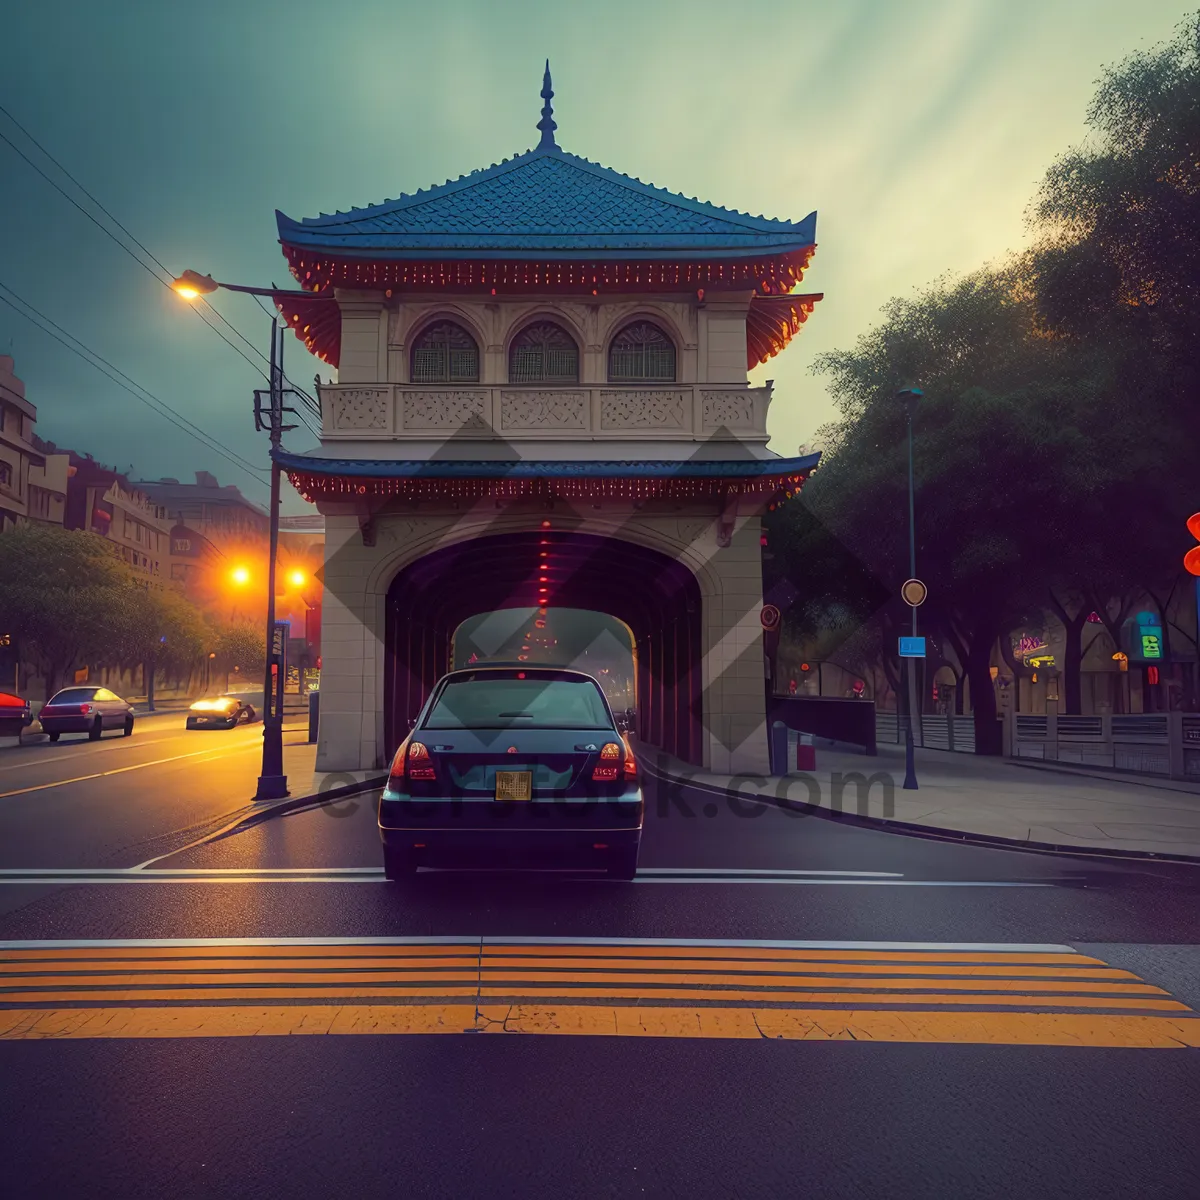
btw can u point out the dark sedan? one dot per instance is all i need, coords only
(222, 713)
(513, 767)
(89, 710)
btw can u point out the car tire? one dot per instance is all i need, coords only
(250, 715)
(127, 731)
(622, 862)
(96, 730)
(398, 865)
(54, 736)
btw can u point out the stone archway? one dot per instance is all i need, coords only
(655, 595)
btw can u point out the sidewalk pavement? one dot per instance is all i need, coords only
(989, 798)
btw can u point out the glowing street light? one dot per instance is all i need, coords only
(191, 285)
(297, 578)
(240, 576)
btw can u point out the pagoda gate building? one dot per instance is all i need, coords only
(542, 402)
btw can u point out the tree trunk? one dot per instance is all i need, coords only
(1073, 657)
(988, 736)
(148, 672)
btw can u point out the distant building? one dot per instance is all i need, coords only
(18, 455)
(217, 512)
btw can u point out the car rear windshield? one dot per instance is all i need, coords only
(74, 695)
(503, 701)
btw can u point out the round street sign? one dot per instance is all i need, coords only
(914, 592)
(769, 616)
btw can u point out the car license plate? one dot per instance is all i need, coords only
(514, 785)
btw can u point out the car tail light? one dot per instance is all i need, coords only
(411, 762)
(609, 766)
(420, 765)
(85, 709)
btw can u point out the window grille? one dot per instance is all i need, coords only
(543, 353)
(641, 353)
(445, 353)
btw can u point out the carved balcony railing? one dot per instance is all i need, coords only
(671, 412)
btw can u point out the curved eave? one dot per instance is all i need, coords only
(772, 322)
(571, 248)
(773, 272)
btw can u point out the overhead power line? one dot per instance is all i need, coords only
(163, 274)
(144, 395)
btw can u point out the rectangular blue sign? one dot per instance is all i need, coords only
(912, 647)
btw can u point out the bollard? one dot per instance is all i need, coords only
(806, 753)
(314, 711)
(779, 748)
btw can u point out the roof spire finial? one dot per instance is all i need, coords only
(547, 124)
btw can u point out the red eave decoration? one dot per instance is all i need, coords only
(769, 275)
(317, 323)
(314, 486)
(774, 318)
(772, 322)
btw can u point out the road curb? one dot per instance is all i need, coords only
(281, 808)
(935, 833)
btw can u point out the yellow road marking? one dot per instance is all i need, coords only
(204, 953)
(799, 997)
(612, 989)
(744, 968)
(1016, 1029)
(494, 950)
(14, 989)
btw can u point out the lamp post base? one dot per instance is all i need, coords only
(910, 766)
(271, 787)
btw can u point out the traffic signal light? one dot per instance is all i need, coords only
(1191, 560)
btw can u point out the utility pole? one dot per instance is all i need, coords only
(272, 782)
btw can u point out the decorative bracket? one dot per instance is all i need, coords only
(367, 509)
(727, 518)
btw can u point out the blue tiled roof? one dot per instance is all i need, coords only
(553, 469)
(545, 203)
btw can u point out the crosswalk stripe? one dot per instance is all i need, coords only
(747, 1023)
(584, 985)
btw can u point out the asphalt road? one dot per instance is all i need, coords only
(206, 1110)
(120, 801)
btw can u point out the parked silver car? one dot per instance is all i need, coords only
(89, 710)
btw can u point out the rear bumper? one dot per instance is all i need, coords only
(194, 722)
(448, 831)
(68, 724)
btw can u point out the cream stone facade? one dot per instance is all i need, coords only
(357, 578)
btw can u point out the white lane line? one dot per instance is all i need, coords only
(762, 871)
(852, 882)
(318, 875)
(90, 872)
(41, 787)
(518, 940)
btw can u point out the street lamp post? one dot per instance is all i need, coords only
(910, 397)
(272, 782)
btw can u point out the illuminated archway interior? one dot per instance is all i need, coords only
(457, 601)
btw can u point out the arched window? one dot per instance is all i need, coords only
(445, 353)
(543, 353)
(641, 353)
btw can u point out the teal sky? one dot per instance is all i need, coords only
(918, 129)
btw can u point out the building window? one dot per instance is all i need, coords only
(641, 353)
(445, 353)
(6, 474)
(543, 353)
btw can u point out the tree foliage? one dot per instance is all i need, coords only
(59, 591)
(1057, 441)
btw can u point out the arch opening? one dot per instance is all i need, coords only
(546, 575)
